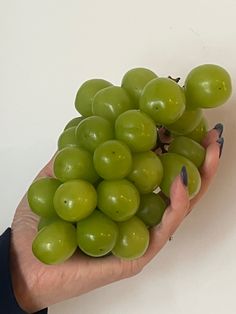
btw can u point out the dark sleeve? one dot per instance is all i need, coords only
(8, 303)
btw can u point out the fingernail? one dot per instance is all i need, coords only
(220, 141)
(184, 176)
(219, 128)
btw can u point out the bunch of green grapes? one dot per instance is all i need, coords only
(112, 170)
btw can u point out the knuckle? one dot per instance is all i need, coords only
(135, 268)
(131, 269)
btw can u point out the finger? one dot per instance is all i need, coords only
(173, 216)
(23, 211)
(47, 170)
(211, 163)
(211, 137)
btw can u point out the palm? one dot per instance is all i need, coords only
(72, 276)
(45, 285)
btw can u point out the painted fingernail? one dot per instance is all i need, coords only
(220, 141)
(184, 176)
(219, 128)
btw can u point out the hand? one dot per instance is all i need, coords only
(37, 286)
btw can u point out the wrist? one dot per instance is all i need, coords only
(20, 282)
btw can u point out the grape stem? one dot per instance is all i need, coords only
(160, 148)
(166, 132)
(174, 79)
(163, 147)
(163, 141)
(165, 198)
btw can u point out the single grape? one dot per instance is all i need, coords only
(118, 199)
(188, 148)
(67, 138)
(163, 100)
(55, 243)
(137, 130)
(207, 86)
(151, 209)
(93, 131)
(172, 164)
(186, 123)
(74, 163)
(135, 80)
(75, 200)
(110, 102)
(96, 234)
(43, 222)
(40, 196)
(147, 171)
(85, 95)
(199, 132)
(112, 160)
(133, 239)
(73, 122)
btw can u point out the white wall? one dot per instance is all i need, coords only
(47, 49)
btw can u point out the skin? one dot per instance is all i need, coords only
(37, 286)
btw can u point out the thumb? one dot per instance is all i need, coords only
(23, 212)
(47, 170)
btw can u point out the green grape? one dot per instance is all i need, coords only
(73, 122)
(163, 100)
(96, 234)
(112, 160)
(135, 80)
(110, 102)
(118, 199)
(74, 163)
(172, 164)
(86, 93)
(55, 243)
(188, 148)
(151, 209)
(40, 196)
(43, 222)
(199, 132)
(137, 130)
(75, 200)
(133, 239)
(93, 131)
(147, 171)
(67, 138)
(186, 123)
(207, 86)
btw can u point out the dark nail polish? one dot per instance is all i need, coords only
(219, 128)
(184, 176)
(220, 141)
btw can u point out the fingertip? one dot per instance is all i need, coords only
(208, 170)
(184, 176)
(220, 141)
(47, 170)
(219, 127)
(211, 137)
(49, 167)
(179, 189)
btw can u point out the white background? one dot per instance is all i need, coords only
(47, 49)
